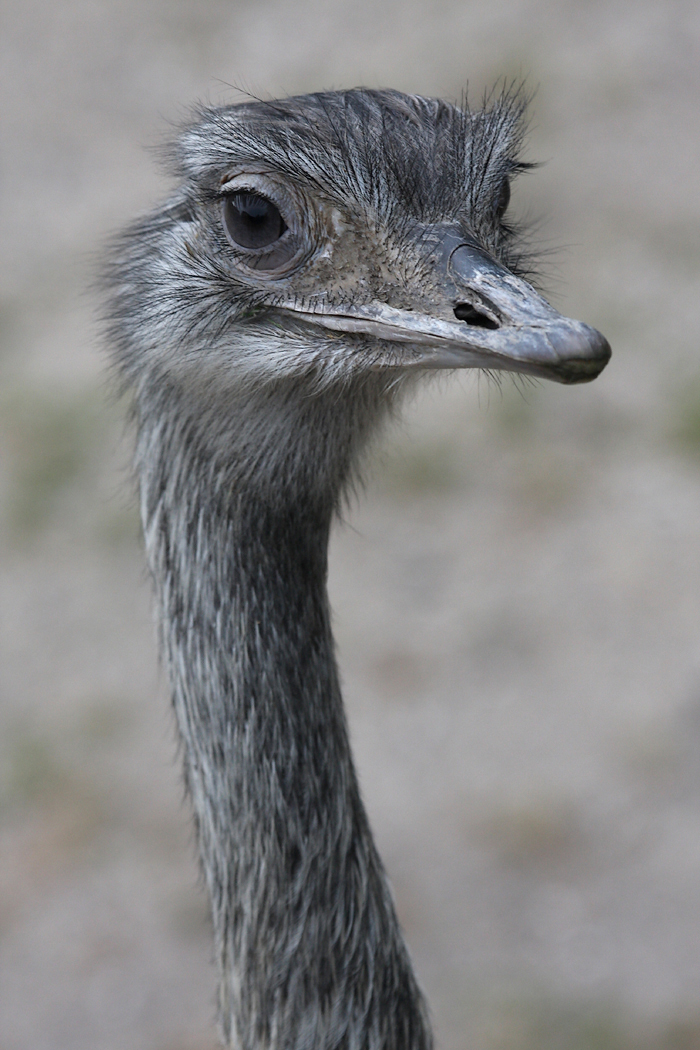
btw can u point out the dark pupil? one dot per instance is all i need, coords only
(252, 221)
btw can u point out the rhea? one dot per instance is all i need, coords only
(317, 257)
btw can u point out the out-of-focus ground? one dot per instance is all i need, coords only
(517, 595)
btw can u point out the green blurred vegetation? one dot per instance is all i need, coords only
(427, 467)
(54, 775)
(685, 418)
(32, 772)
(502, 441)
(536, 831)
(414, 462)
(548, 1025)
(104, 722)
(44, 789)
(514, 410)
(59, 457)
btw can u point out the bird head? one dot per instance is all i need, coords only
(339, 234)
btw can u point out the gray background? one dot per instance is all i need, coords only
(517, 594)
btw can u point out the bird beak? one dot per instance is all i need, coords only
(500, 321)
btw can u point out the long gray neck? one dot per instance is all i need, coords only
(309, 948)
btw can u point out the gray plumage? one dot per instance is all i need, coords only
(317, 256)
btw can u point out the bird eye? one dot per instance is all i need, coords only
(252, 221)
(503, 199)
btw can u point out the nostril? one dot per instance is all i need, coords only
(467, 312)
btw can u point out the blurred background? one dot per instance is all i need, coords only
(516, 596)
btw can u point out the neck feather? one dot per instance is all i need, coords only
(237, 500)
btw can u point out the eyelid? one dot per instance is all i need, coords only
(251, 182)
(229, 190)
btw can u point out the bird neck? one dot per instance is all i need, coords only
(237, 521)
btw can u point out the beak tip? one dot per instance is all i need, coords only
(583, 353)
